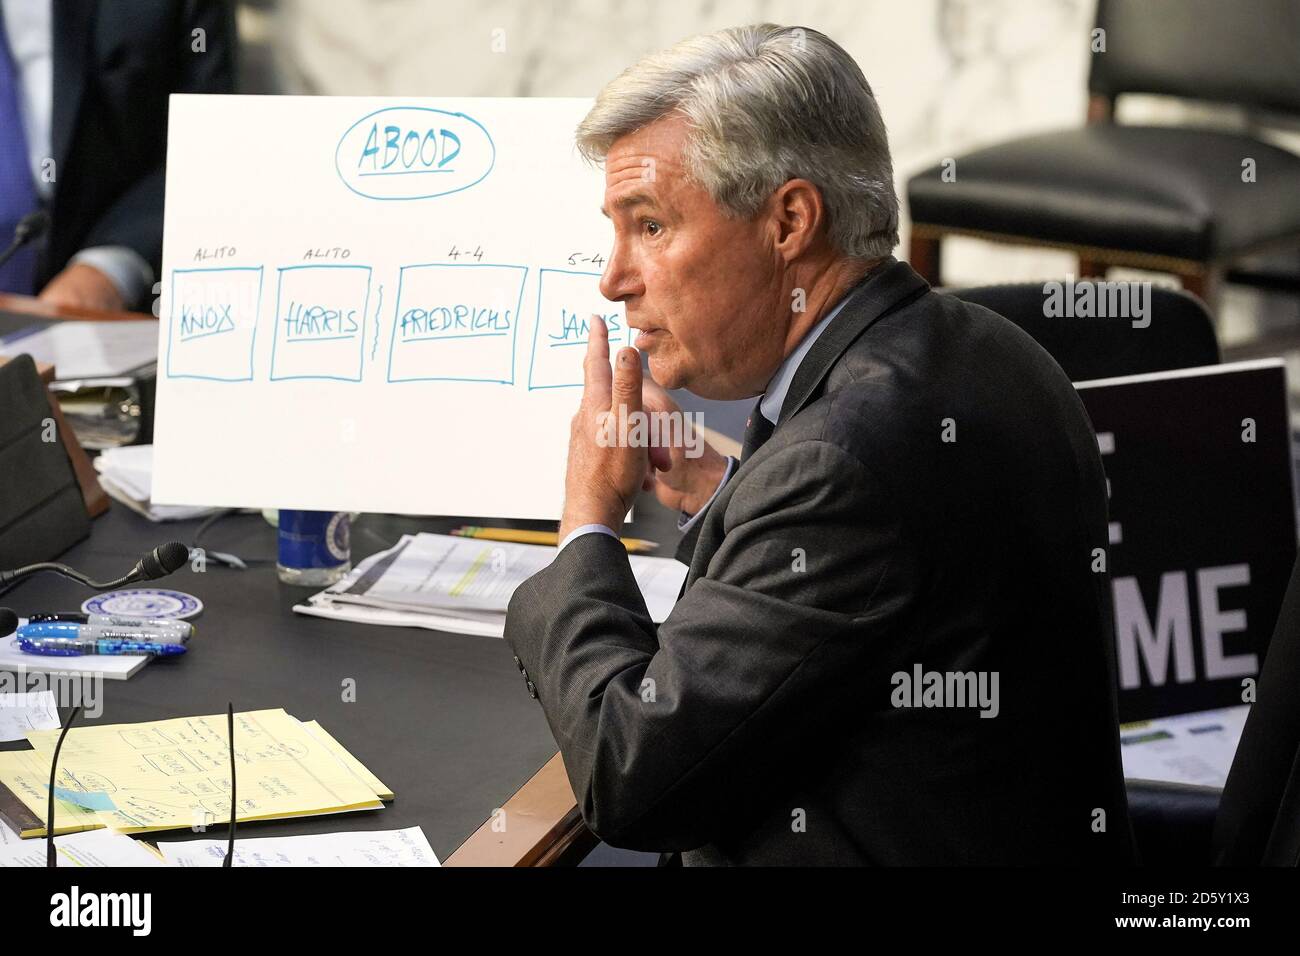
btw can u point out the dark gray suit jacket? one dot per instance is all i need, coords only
(115, 64)
(758, 724)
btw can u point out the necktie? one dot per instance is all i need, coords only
(17, 191)
(757, 430)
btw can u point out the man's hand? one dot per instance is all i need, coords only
(604, 471)
(82, 286)
(686, 483)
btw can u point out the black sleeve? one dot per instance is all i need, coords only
(664, 735)
(135, 219)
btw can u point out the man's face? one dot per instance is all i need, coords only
(704, 290)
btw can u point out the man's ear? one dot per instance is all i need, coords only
(799, 216)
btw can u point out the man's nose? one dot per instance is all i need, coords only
(621, 278)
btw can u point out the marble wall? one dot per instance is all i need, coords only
(950, 75)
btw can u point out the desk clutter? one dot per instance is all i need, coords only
(100, 640)
(174, 774)
(462, 584)
(108, 848)
(126, 473)
(105, 375)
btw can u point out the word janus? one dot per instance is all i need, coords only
(1098, 300)
(103, 909)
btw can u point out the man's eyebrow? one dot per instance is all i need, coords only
(629, 200)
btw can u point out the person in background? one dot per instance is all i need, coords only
(83, 135)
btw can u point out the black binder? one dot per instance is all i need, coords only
(42, 511)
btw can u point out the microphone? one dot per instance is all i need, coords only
(159, 562)
(30, 228)
(8, 621)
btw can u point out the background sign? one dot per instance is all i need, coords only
(1203, 528)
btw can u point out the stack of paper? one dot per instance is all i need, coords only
(26, 711)
(126, 473)
(108, 848)
(1187, 748)
(368, 848)
(463, 585)
(91, 848)
(172, 774)
(87, 349)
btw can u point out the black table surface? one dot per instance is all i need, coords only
(442, 719)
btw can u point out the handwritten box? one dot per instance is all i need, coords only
(566, 300)
(320, 322)
(456, 322)
(212, 326)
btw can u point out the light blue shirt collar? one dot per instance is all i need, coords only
(772, 400)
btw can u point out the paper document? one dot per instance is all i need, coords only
(319, 605)
(26, 774)
(444, 572)
(93, 848)
(126, 473)
(21, 712)
(1188, 748)
(371, 848)
(87, 349)
(354, 765)
(170, 774)
(474, 578)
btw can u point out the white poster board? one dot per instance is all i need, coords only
(375, 304)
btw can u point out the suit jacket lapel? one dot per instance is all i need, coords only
(72, 23)
(892, 284)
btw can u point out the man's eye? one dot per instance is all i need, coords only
(650, 226)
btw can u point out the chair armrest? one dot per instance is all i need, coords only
(1172, 822)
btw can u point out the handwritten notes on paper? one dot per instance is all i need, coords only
(391, 305)
(24, 711)
(370, 848)
(93, 848)
(176, 773)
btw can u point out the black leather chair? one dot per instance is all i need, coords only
(1180, 333)
(1173, 823)
(1255, 819)
(1169, 199)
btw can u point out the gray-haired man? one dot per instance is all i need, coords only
(912, 527)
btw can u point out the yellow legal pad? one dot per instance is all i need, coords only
(170, 774)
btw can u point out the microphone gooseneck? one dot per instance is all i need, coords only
(51, 859)
(159, 562)
(30, 228)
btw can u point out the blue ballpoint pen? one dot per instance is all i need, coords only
(65, 647)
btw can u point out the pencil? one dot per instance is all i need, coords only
(551, 538)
